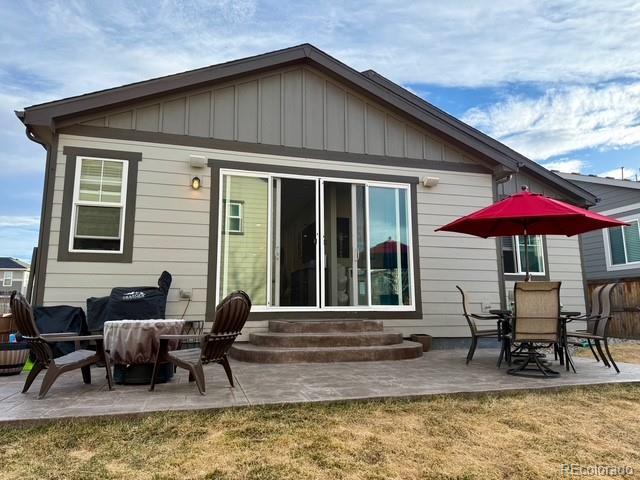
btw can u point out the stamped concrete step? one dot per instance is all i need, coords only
(247, 352)
(337, 339)
(325, 326)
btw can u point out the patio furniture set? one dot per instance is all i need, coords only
(133, 341)
(536, 322)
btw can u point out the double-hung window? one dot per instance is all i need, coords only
(98, 211)
(623, 246)
(7, 280)
(513, 255)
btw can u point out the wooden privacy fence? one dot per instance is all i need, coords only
(625, 303)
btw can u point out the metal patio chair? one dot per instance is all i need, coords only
(536, 324)
(43, 353)
(230, 317)
(599, 332)
(477, 333)
(591, 318)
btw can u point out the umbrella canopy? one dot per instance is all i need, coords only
(527, 213)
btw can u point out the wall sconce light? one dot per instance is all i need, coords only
(430, 181)
(195, 183)
(197, 161)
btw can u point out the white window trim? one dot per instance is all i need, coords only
(516, 248)
(607, 246)
(320, 231)
(77, 202)
(7, 275)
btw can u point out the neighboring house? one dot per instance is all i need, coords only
(312, 196)
(614, 254)
(14, 275)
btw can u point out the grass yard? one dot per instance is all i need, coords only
(626, 352)
(517, 436)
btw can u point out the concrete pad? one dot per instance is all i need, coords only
(437, 372)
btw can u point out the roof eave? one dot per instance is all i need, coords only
(488, 149)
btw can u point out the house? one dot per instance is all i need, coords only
(319, 191)
(613, 255)
(14, 275)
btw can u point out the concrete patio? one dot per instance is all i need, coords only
(437, 372)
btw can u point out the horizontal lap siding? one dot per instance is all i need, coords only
(450, 259)
(565, 266)
(171, 232)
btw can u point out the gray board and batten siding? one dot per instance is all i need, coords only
(296, 107)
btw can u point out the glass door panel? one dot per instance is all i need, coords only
(389, 246)
(345, 275)
(294, 239)
(243, 237)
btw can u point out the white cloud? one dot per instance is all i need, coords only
(19, 221)
(629, 172)
(566, 165)
(486, 43)
(565, 120)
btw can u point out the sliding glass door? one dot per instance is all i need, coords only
(309, 243)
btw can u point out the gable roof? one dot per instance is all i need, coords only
(9, 263)
(507, 160)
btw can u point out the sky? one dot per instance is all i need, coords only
(557, 81)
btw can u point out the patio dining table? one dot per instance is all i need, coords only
(504, 328)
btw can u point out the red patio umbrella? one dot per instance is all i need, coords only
(527, 213)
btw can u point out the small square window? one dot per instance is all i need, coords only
(513, 255)
(7, 280)
(233, 217)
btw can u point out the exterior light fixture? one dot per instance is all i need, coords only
(195, 183)
(430, 182)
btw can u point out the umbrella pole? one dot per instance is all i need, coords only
(527, 277)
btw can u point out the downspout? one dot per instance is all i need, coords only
(38, 272)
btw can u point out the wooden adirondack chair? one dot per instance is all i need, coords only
(41, 350)
(231, 315)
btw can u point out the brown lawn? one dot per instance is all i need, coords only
(517, 436)
(625, 352)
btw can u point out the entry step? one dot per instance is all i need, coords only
(333, 339)
(248, 352)
(325, 326)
